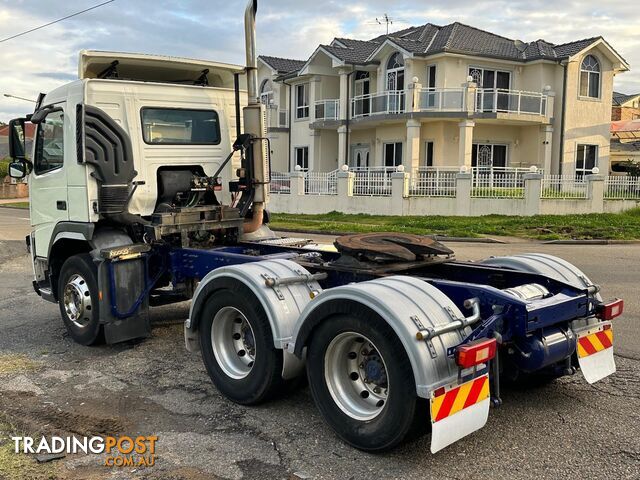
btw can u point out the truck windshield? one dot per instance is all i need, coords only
(175, 126)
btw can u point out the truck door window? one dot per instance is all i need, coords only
(175, 126)
(50, 143)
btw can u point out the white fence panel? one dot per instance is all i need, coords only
(321, 183)
(563, 187)
(433, 182)
(372, 181)
(622, 188)
(280, 183)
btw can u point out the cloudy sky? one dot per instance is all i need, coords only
(212, 29)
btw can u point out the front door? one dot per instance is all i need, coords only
(494, 86)
(359, 156)
(48, 183)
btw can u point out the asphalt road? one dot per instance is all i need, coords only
(566, 429)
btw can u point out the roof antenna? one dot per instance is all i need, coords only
(386, 20)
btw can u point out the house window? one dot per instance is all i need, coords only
(302, 157)
(266, 92)
(428, 154)
(586, 159)
(361, 91)
(393, 154)
(431, 77)
(49, 143)
(488, 155)
(493, 87)
(590, 77)
(302, 101)
(395, 72)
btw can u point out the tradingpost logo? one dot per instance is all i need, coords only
(121, 451)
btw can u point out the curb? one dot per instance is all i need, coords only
(8, 205)
(593, 242)
(439, 238)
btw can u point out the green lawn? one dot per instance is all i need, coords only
(15, 205)
(622, 226)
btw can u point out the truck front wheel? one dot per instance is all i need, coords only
(78, 299)
(237, 346)
(362, 382)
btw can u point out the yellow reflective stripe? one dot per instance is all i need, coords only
(484, 393)
(609, 333)
(463, 393)
(581, 351)
(595, 341)
(436, 403)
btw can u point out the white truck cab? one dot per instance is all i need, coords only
(138, 149)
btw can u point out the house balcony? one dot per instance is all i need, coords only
(327, 110)
(277, 118)
(511, 101)
(512, 105)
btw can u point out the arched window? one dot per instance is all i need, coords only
(590, 77)
(395, 61)
(266, 92)
(395, 72)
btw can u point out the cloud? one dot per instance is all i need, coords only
(213, 29)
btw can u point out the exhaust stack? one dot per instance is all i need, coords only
(253, 115)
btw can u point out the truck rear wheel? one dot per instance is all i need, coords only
(237, 347)
(78, 299)
(362, 382)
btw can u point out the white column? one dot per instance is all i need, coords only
(297, 183)
(595, 192)
(532, 192)
(315, 93)
(463, 194)
(412, 157)
(345, 186)
(547, 140)
(465, 142)
(469, 100)
(344, 88)
(342, 145)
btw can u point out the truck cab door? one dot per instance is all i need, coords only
(48, 182)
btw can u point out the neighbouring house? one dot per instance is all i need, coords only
(625, 107)
(442, 96)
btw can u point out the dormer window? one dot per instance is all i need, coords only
(590, 77)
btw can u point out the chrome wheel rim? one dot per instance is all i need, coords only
(233, 342)
(76, 299)
(356, 376)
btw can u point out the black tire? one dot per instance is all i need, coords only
(404, 414)
(91, 331)
(264, 379)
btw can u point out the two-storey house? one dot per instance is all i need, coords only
(443, 96)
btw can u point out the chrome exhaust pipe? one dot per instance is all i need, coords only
(250, 51)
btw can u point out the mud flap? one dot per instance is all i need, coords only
(129, 284)
(595, 352)
(458, 411)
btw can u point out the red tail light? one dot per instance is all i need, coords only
(476, 352)
(610, 310)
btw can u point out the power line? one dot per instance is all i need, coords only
(56, 21)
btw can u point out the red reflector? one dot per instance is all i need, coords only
(439, 391)
(606, 326)
(217, 188)
(476, 352)
(610, 310)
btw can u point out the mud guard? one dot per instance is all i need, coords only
(119, 296)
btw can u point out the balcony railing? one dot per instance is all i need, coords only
(327, 110)
(441, 100)
(383, 103)
(511, 101)
(277, 117)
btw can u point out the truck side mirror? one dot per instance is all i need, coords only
(17, 140)
(19, 169)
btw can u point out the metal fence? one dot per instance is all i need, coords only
(510, 101)
(372, 181)
(442, 99)
(433, 182)
(498, 182)
(622, 188)
(563, 187)
(280, 183)
(321, 183)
